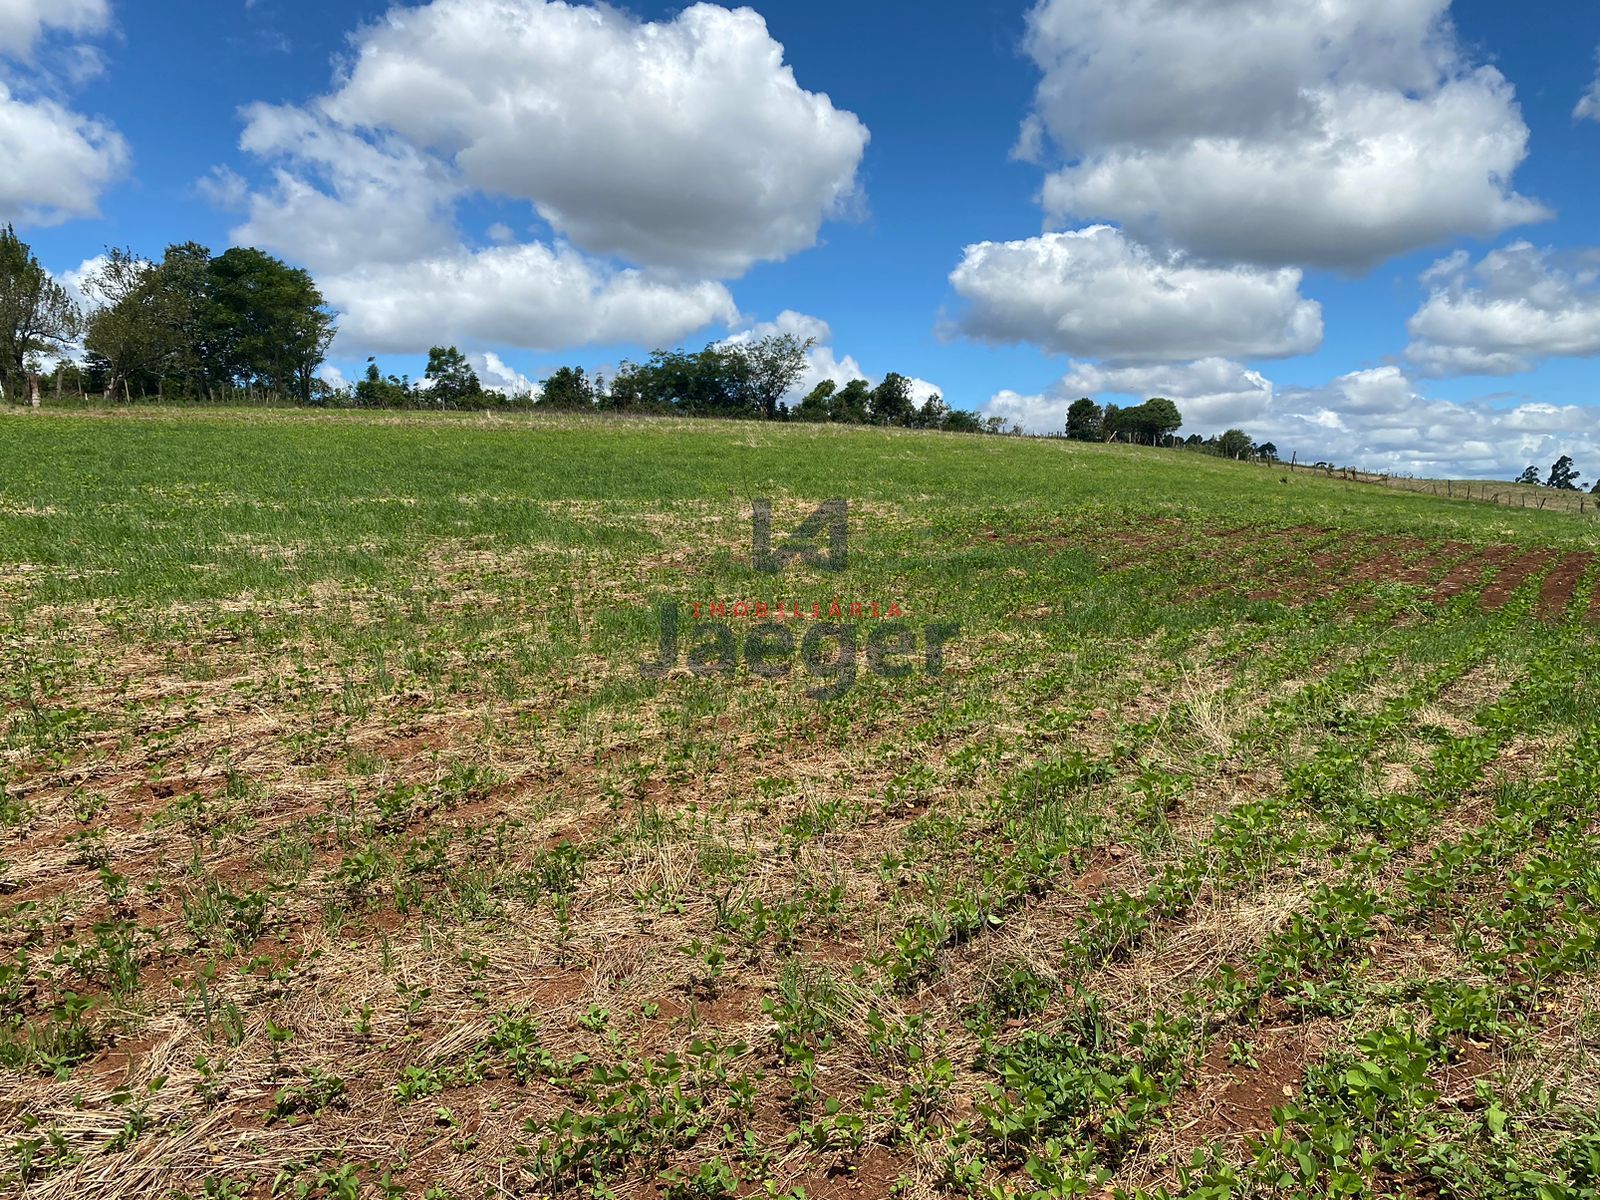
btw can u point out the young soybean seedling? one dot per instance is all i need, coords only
(1242, 1054)
(711, 955)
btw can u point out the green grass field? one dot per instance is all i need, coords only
(1247, 843)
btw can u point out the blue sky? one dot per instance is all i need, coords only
(1233, 204)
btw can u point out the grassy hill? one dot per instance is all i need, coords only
(1240, 836)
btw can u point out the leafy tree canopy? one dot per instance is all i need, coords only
(1085, 421)
(454, 381)
(1563, 476)
(36, 314)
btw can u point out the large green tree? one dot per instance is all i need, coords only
(37, 316)
(851, 404)
(715, 382)
(454, 381)
(1084, 421)
(128, 330)
(270, 328)
(1563, 476)
(1235, 443)
(569, 390)
(933, 413)
(185, 282)
(1113, 423)
(892, 403)
(197, 324)
(377, 390)
(772, 366)
(1157, 419)
(817, 404)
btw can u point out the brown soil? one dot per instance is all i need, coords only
(1555, 597)
(1296, 566)
(1463, 577)
(871, 1175)
(1513, 568)
(1234, 1101)
(1456, 1082)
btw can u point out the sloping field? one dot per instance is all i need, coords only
(1243, 841)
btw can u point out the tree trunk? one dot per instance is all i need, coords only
(33, 390)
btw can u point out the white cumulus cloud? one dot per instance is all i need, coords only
(56, 162)
(1381, 420)
(1094, 293)
(338, 199)
(533, 297)
(664, 156)
(1514, 307)
(1376, 419)
(684, 143)
(497, 376)
(1334, 133)
(23, 22)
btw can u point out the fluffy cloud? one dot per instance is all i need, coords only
(339, 200)
(1379, 419)
(23, 22)
(1093, 292)
(533, 297)
(57, 162)
(73, 280)
(1376, 419)
(497, 376)
(685, 148)
(1318, 132)
(1589, 107)
(1514, 307)
(685, 144)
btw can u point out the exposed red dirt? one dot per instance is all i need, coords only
(1302, 564)
(1465, 576)
(1513, 568)
(1457, 1081)
(1231, 1101)
(1560, 585)
(871, 1176)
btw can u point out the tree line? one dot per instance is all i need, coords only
(243, 324)
(729, 379)
(198, 326)
(193, 325)
(1156, 423)
(1564, 477)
